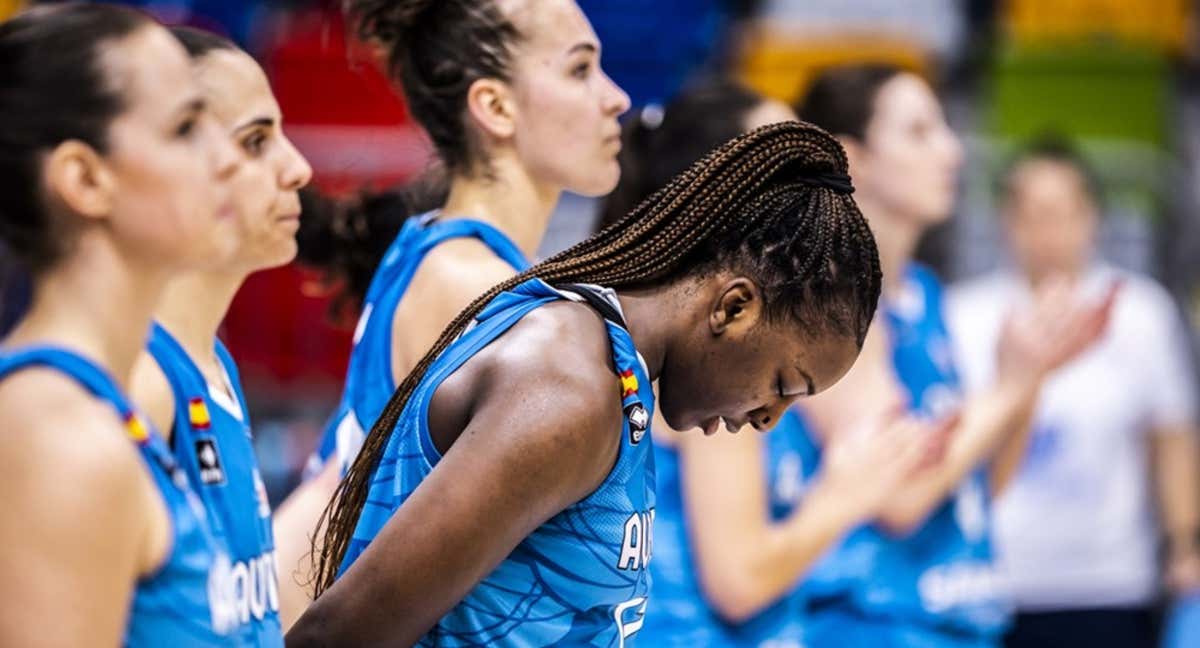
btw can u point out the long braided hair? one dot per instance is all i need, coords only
(772, 204)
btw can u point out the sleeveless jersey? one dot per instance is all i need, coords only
(369, 381)
(187, 600)
(681, 615)
(212, 441)
(936, 587)
(581, 577)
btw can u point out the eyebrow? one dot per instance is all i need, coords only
(583, 46)
(255, 123)
(195, 105)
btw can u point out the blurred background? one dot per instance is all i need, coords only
(1119, 76)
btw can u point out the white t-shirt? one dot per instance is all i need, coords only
(1076, 528)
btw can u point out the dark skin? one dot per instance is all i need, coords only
(517, 452)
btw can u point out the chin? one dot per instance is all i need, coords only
(600, 183)
(669, 414)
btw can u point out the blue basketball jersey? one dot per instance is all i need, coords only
(369, 380)
(937, 586)
(580, 578)
(211, 439)
(187, 601)
(680, 615)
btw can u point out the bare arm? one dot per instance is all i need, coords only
(1176, 457)
(294, 524)
(78, 529)
(522, 457)
(995, 423)
(1032, 345)
(745, 560)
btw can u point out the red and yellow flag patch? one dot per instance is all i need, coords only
(629, 383)
(198, 414)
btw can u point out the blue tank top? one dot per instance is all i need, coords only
(369, 380)
(212, 441)
(580, 578)
(187, 600)
(680, 615)
(937, 586)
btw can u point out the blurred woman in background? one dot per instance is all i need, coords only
(1113, 458)
(922, 574)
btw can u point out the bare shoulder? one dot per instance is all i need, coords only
(152, 393)
(452, 276)
(553, 370)
(458, 271)
(566, 340)
(58, 433)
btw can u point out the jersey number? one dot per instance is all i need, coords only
(624, 628)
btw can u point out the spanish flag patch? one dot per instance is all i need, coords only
(137, 428)
(629, 383)
(198, 414)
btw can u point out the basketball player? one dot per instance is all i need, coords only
(187, 383)
(506, 495)
(114, 179)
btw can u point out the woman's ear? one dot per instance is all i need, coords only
(75, 175)
(737, 307)
(492, 108)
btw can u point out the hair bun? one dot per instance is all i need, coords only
(386, 21)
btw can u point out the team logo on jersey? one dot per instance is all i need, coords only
(209, 459)
(629, 383)
(198, 414)
(639, 420)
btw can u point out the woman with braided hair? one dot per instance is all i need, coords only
(518, 109)
(506, 494)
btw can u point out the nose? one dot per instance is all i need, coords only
(953, 146)
(297, 172)
(768, 415)
(616, 101)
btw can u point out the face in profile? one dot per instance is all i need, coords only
(566, 107)
(1050, 217)
(740, 367)
(909, 159)
(170, 163)
(266, 190)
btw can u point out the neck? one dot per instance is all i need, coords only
(95, 303)
(895, 236)
(193, 308)
(651, 331)
(509, 199)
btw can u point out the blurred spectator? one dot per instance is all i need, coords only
(1114, 435)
